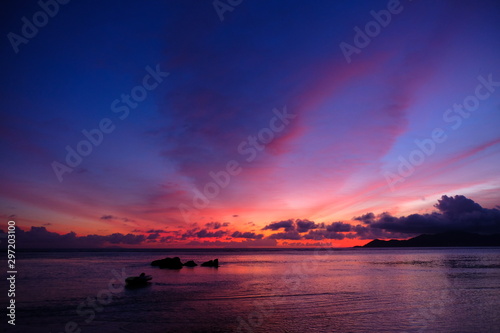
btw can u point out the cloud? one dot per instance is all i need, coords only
(203, 233)
(111, 217)
(248, 235)
(288, 225)
(118, 238)
(213, 225)
(456, 213)
(167, 239)
(298, 226)
(153, 236)
(216, 225)
(457, 206)
(315, 231)
(244, 244)
(293, 235)
(40, 237)
(305, 225)
(364, 232)
(324, 234)
(367, 218)
(339, 227)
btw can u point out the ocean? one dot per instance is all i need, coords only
(345, 290)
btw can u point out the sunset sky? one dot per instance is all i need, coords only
(259, 129)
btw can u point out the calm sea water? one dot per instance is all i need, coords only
(352, 290)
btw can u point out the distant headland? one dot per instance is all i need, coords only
(447, 239)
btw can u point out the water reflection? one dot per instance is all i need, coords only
(353, 291)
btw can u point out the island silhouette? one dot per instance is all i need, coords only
(445, 239)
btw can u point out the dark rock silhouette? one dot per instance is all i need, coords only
(190, 263)
(450, 239)
(175, 263)
(170, 263)
(211, 263)
(138, 281)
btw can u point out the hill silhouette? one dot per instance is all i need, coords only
(446, 239)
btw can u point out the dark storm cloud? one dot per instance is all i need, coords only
(248, 235)
(288, 225)
(456, 213)
(457, 206)
(339, 227)
(367, 218)
(305, 225)
(300, 225)
(363, 232)
(316, 231)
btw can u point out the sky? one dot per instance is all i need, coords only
(248, 123)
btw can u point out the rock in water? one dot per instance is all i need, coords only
(190, 263)
(211, 263)
(171, 263)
